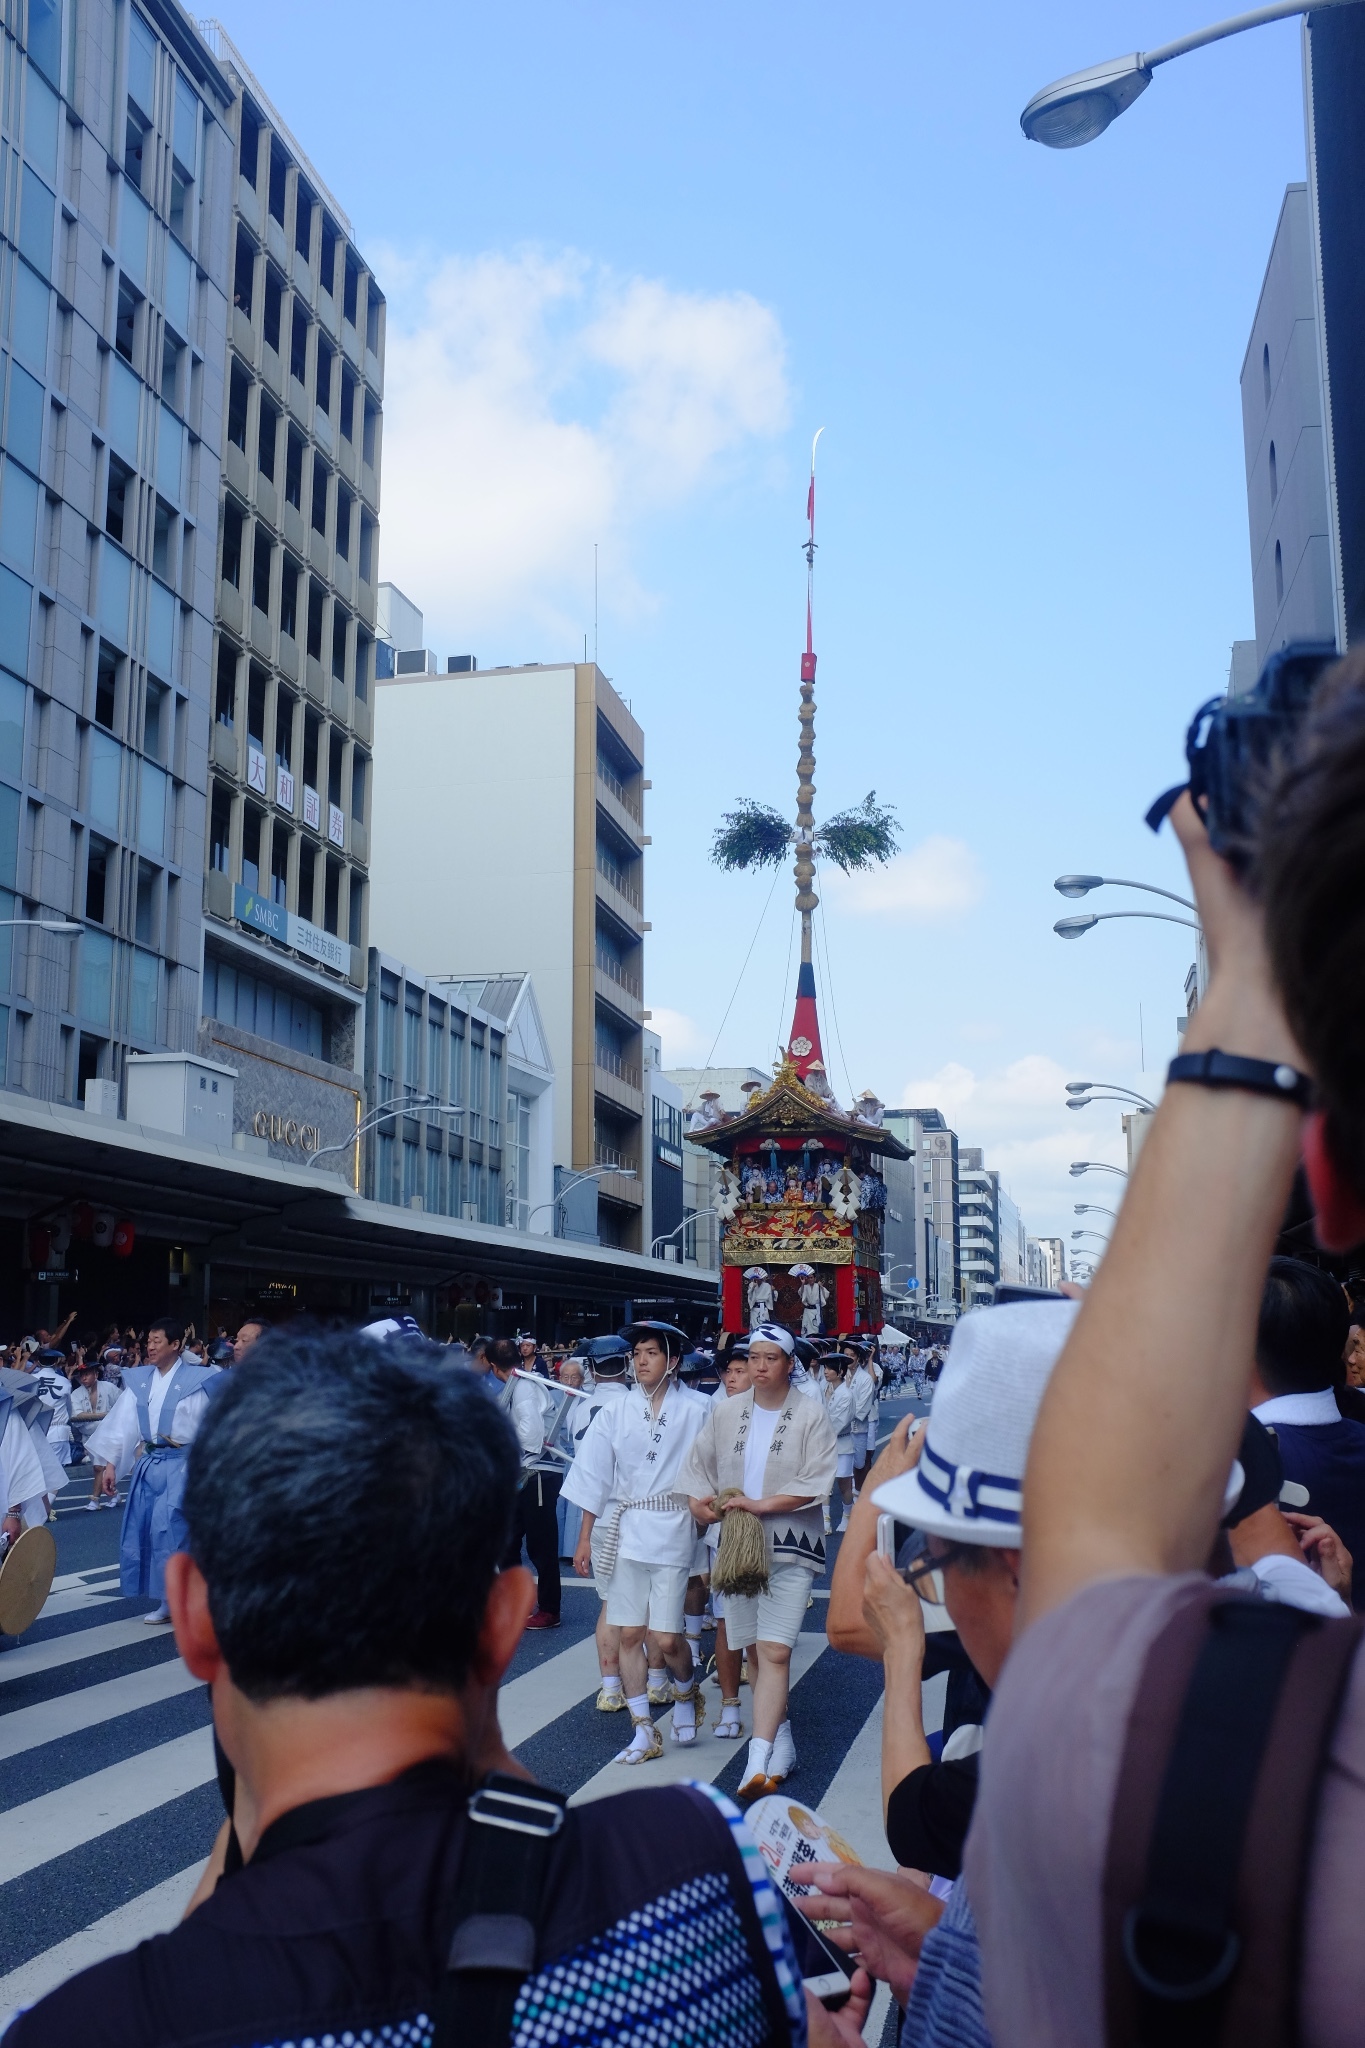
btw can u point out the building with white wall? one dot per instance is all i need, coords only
(508, 808)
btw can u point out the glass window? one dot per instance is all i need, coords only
(96, 979)
(152, 819)
(37, 218)
(435, 1188)
(15, 603)
(170, 455)
(141, 64)
(125, 392)
(13, 705)
(9, 836)
(411, 1164)
(474, 1190)
(116, 585)
(179, 271)
(146, 983)
(29, 319)
(134, 220)
(383, 1168)
(186, 125)
(19, 516)
(436, 1059)
(40, 126)
(456, 1066)
(161, 621)
(45, 36)
(412, 1052)
(105, 756)
(388, 1037)
(491, 1212)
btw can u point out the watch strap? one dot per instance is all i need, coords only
(1215, 1069)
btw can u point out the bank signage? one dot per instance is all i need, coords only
(259, 914)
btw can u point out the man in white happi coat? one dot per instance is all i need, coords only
(147, 1433)
(23, 1484)
(761, 1299)
(608, 1359)
(814, 1294)
(625, 1479)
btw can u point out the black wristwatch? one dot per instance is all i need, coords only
(1215, 1069)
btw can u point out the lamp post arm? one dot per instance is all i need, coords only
(1257, 18)
(1117, 882)
(378, 1114)
(1159, 916)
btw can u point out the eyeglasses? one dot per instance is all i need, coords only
(922, 1561)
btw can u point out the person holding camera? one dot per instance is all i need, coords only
(1096, 1907)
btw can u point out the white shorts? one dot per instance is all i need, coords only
(772, 1617)
(844, 1468)
(647, 1596)
(718, 1605)
(701, 1558)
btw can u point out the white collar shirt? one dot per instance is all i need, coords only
(1299, 1410)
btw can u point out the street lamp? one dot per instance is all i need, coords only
(577, 1180)
(1094, 1209)
(695, 1217)
(43, 924)
(1089, 1233)
(386, 1109)
(1074, 110)
(1076, 927)
(1080, 1166)
(1078, 1089)
(1081, 885)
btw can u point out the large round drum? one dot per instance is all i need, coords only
(26, 1579)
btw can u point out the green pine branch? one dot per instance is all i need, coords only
(864, 837)
(753, 835)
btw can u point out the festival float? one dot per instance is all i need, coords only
(801, 1200)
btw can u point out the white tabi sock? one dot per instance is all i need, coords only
(684, 1707)
(783, 1758)
(757, 1765)
(611, 1682)
(658, 1679)
(639, 1708)
(692, 1626)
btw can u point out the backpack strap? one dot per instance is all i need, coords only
(1212, 1823)
(495, 1924)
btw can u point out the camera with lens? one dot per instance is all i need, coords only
(1235, 744)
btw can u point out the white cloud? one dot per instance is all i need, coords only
(938, 878)
(685, 1042)
(1018, 1115)
(536, 404)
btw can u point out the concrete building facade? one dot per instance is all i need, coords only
(287, 839)
(114, 298)
(563, 867)
(936, 1256)
(1284, 443)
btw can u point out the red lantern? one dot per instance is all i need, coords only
(125, 1236)
(39, 1244)
(82, 1221)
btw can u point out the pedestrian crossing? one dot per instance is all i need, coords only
(108, 1794)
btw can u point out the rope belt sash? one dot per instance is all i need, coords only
(652, 1503)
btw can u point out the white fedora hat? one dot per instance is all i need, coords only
(969, 1481)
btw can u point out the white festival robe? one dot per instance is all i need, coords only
(22, 1479)
(628, 1453)
(115, 1440)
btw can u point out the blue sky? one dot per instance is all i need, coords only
(634, 257)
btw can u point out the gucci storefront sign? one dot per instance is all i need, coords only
(286, 1130)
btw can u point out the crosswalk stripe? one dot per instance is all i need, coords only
(57, 1821)
(529, 1703)
(705, 1758)
(51, 1720)
(152, 1912)
(70, 1648)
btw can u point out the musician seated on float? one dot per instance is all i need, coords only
(390, 1872)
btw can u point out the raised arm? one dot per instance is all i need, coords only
(1141, 1419)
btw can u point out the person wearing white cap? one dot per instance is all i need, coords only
(778, 1451)
(963, 1498)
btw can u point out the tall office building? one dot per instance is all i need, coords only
(114, 298)
(936, 1223)
(1285, 448)
(510, 800)
(293, 667)
(978, 1227)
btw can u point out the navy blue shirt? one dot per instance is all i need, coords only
(661, 1924)
(1329, 1459)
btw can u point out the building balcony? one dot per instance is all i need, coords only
(621, 893)
(612, 1155)
(620, 1085)
(619, 993)
(614, 1187)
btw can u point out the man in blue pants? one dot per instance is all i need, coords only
(147, 1432)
